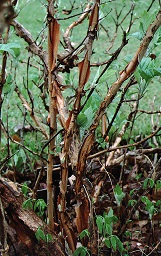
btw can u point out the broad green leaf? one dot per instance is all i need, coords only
(108, 228)
(120, 245)
(107, 242)
(99, 222)
(113, 242)
(138, 35)
(10, 48)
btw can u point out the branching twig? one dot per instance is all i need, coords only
(23, 33)
(125, 146)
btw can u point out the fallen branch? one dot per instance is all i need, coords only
(21, 225)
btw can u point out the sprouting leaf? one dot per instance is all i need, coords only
(149, 206)
(144, 199)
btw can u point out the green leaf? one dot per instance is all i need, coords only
(28, 204)
(132, 202)
(41, 206)
(81, 251)
(99, 222)
(48, 238)
(132, 192)
(107, 242)
(82, 119)
(10, 48)
(108, 228)
(15, 158)
(84, 233)
(119, 194)
(144, 199)
(138, 35)
(110, 213)
(158, 184)
(113, 242)
(157, 71)
(120, 245)
(40, 234)
(109, 73)
(148, 183)
(24, 189)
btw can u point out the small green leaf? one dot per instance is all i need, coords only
(40, 234)
(81, 251)
(24, 189)
(82, 119)
(110, 213)
(158, 184)
(144, 199)
(48, 238)
(84, 233)
(148, 183)
(132, 192)
(119, 194)
(41, 206)
(132, 202)
(28, 204)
